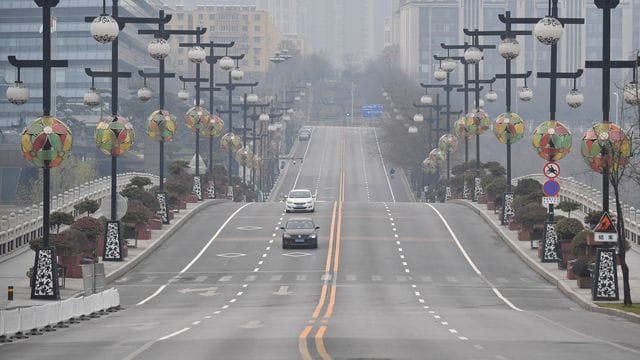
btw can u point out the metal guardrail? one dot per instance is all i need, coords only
(590, 199)
(22, 226)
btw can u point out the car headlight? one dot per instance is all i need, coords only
(312, 236)
(287, 236)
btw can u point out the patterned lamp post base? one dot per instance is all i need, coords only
(163, 211)
(197, 188)
(507, 208)
(447, 194)
(465, 191)
(477, 191)
(113, 242)
(45, 275)
(605, 278)
(211, 190)
(549, 243)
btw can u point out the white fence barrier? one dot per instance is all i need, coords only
(26, 319)
(19, 228)
(590, 200)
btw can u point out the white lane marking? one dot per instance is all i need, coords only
(386, 174)
(364, 167)
(208, 317)
(256, 269)
(404, 263)
(401, 256)
(479, 347)
(436, 317)
(202, 251)
(304, 156)
(400, 249)
(233, 300)
(174, 334)
(245, 285)
(264, 255)
(224, 307)
(453, 331)
(195, 322)
(444, 323)
(260, 262)
(268, 248)
(463, 338)
(471, 263)
(216, 312)
(239, 293)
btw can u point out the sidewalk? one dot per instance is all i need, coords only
(558, 277)
(13, 270)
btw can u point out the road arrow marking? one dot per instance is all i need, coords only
(231, 255)
(284, 290)
(202, 291)
(296, 254)
(254, 324)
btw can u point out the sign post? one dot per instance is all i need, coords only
(551, 188)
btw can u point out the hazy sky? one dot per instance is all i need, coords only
(193, 3)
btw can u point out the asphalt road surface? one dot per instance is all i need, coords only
(390, 279)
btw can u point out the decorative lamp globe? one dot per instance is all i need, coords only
(437, 155)
(574, 98)
(18, 93)
(272, 127)
(398, 117)
(548, 30)
(197, 118)
(230, 142)
(509, 48)
(196, 55)
(525, 93)
(552, 140)
(418, 118)
(303, 94)
(491, 96)
(296, 98)
(278, 125)
(183, 94)
(252, 98)
(477, 122)
(396, 110)
(631, 95)
(385, 94)
(264, 117)
(46, 142)
(114, 135)
(161, 125)
(481, 104)
(448, 65)
(412, 129)
(460, 127)
(426, 100)
(159, 48)
(440, 74)
(289, 111)
(226, 63)
(429, 166)
(508, 128)
(144, 93)
(448, 143)
(215, 128)
(244, 156)
(605, 146)
(104, 29)
(472, 55)
(237, 74)
(91, 98)
(286, 117)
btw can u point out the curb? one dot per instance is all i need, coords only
(146, 252)
(552, 279)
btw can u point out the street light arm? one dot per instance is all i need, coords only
(106, 74)
(186, 79)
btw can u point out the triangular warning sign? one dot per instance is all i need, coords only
(605, 225)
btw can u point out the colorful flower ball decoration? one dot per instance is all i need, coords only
(230, 142)
(244, 156)
(460, 127)
(508, 128)
(215, 128)
(478, 122)
(448, 143)
(161, 125)
(114, 135)
(552, 140)
(46, 142)
(429, 166)
(197, 118)
(605, 145)
(437, 155)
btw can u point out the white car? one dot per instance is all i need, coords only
(300, 200)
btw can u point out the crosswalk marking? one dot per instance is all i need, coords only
(301, 277)
(250, 278)
(200, 278)
(351, 277)
(326, 277)
(225, 278)
(149, 279)
(276, 277)
(426, 279)
(502, 280)
(376, 278)
(401, 278)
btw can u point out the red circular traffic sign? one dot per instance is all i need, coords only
(551, 170)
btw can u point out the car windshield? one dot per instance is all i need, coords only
(300, 194)
(300, 224)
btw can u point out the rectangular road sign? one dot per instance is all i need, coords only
(548, 200)
(372, 110)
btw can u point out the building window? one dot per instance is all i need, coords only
(245, 18)
(180, 16)
(256, 28)
(256, 62)
(256, 39)
(256, 17)
(212, 17)
(245, 28)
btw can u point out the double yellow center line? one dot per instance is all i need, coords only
(327, 299)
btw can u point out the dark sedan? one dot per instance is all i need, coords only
(299, 232)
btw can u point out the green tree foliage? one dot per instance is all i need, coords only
(87, 206)
(592, 218)
(90, 227)
(59, 218)
(567, 228)
(70, 242)
(531, 214)
(137, 213)
(579, 243)
(568, 206)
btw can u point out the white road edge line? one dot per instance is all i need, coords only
(174, 334)
(386, 175)
(302, 163)
(471, 263)
(197, 256)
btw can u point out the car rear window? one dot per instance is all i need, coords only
(300, 194)
(300, 224)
